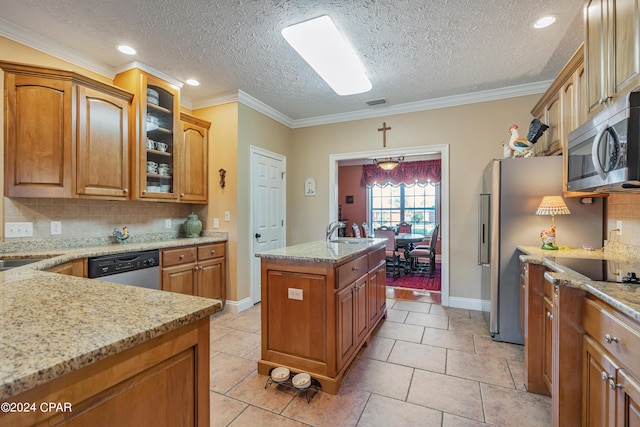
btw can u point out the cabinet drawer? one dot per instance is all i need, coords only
(547, 288)
(350, 271)
(178, 256)
(214, 250)
(612, 330)
(376, 257)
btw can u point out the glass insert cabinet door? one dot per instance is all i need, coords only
(160, 120)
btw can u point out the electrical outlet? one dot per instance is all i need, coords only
(227, 216)
(619, 226)
(167, 223)
(294, 293)
(216, 223)
(56, 227)
(18, 229)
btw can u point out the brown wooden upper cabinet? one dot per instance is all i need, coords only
(612, 43)
(193, 160)
(559, 107)
(65, 135)
(169, 149)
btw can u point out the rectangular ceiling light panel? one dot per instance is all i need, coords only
(320, 43)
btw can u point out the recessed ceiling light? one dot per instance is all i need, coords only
(193, 82)
(544, 22)
(128, 50)
(320, 43)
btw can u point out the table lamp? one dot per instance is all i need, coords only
(551, 205)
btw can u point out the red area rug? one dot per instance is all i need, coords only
(417, 281)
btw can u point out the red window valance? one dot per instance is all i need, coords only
(422, 172)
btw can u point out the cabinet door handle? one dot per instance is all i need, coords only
(355, 268)
(549, 315)
(126, 191)
(613, 385)
(213, 251)
(609, 339)
(606, 376)
(181, 256)
(181, 194)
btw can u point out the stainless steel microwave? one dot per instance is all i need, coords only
(603, 154)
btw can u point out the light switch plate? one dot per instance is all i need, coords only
(56, 227)
(227, 216)
(294, 293)
(167, 223)
(216, 223)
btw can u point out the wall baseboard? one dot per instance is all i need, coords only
(467, 303)
(238, 306)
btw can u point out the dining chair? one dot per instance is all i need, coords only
(365, 230)
(392, 257)
(423, 257)
(404, 227)
(356, 230)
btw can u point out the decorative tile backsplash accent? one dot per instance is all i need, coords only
(83, 218)
(626, 209)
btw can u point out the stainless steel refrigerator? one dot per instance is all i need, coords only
(512, 192)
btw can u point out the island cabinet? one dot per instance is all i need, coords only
(76, 267)
(162, 382)
(65, 135)
(612, 42)
(611, 367)
(317, 314)
(195, 270)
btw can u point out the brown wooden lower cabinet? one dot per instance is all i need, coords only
(163, 382)
(76, 267)
(611, 367)
(317, 315)
(195, 270)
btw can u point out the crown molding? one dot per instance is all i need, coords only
(33, 40)
(430, 104)
(212, 101)
(150, 70)
(263, 108)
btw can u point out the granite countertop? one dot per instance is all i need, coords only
(53, 324)
(335, 251)
(624, 297)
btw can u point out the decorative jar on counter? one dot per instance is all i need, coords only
(192, 226)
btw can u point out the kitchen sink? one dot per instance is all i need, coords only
(352, 241)
(7, 264)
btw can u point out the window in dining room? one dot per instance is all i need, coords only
(416, 204)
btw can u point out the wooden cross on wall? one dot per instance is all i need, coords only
(384, 130)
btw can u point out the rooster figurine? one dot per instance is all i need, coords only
(549, 238)
(121, 236)
(522, 146)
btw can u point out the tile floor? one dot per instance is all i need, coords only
(427, 365)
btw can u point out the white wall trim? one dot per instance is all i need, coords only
(238, 306)
(443, 149)
(263, 108)
(466, 303)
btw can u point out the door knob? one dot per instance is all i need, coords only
(258, 235)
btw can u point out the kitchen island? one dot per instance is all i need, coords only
(96, 353)
(321, 302)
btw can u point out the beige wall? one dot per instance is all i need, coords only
(626, 209)
(349, 179)
(474, 133)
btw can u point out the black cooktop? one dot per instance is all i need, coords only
(600, 269)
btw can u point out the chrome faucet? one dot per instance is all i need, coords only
(333, 227)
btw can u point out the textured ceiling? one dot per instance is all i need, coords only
(413, 50)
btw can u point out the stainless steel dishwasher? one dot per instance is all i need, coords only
(132, 268)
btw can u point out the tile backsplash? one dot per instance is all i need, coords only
(624, 210)
(82, 218)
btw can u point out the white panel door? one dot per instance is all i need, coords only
(268, 205)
